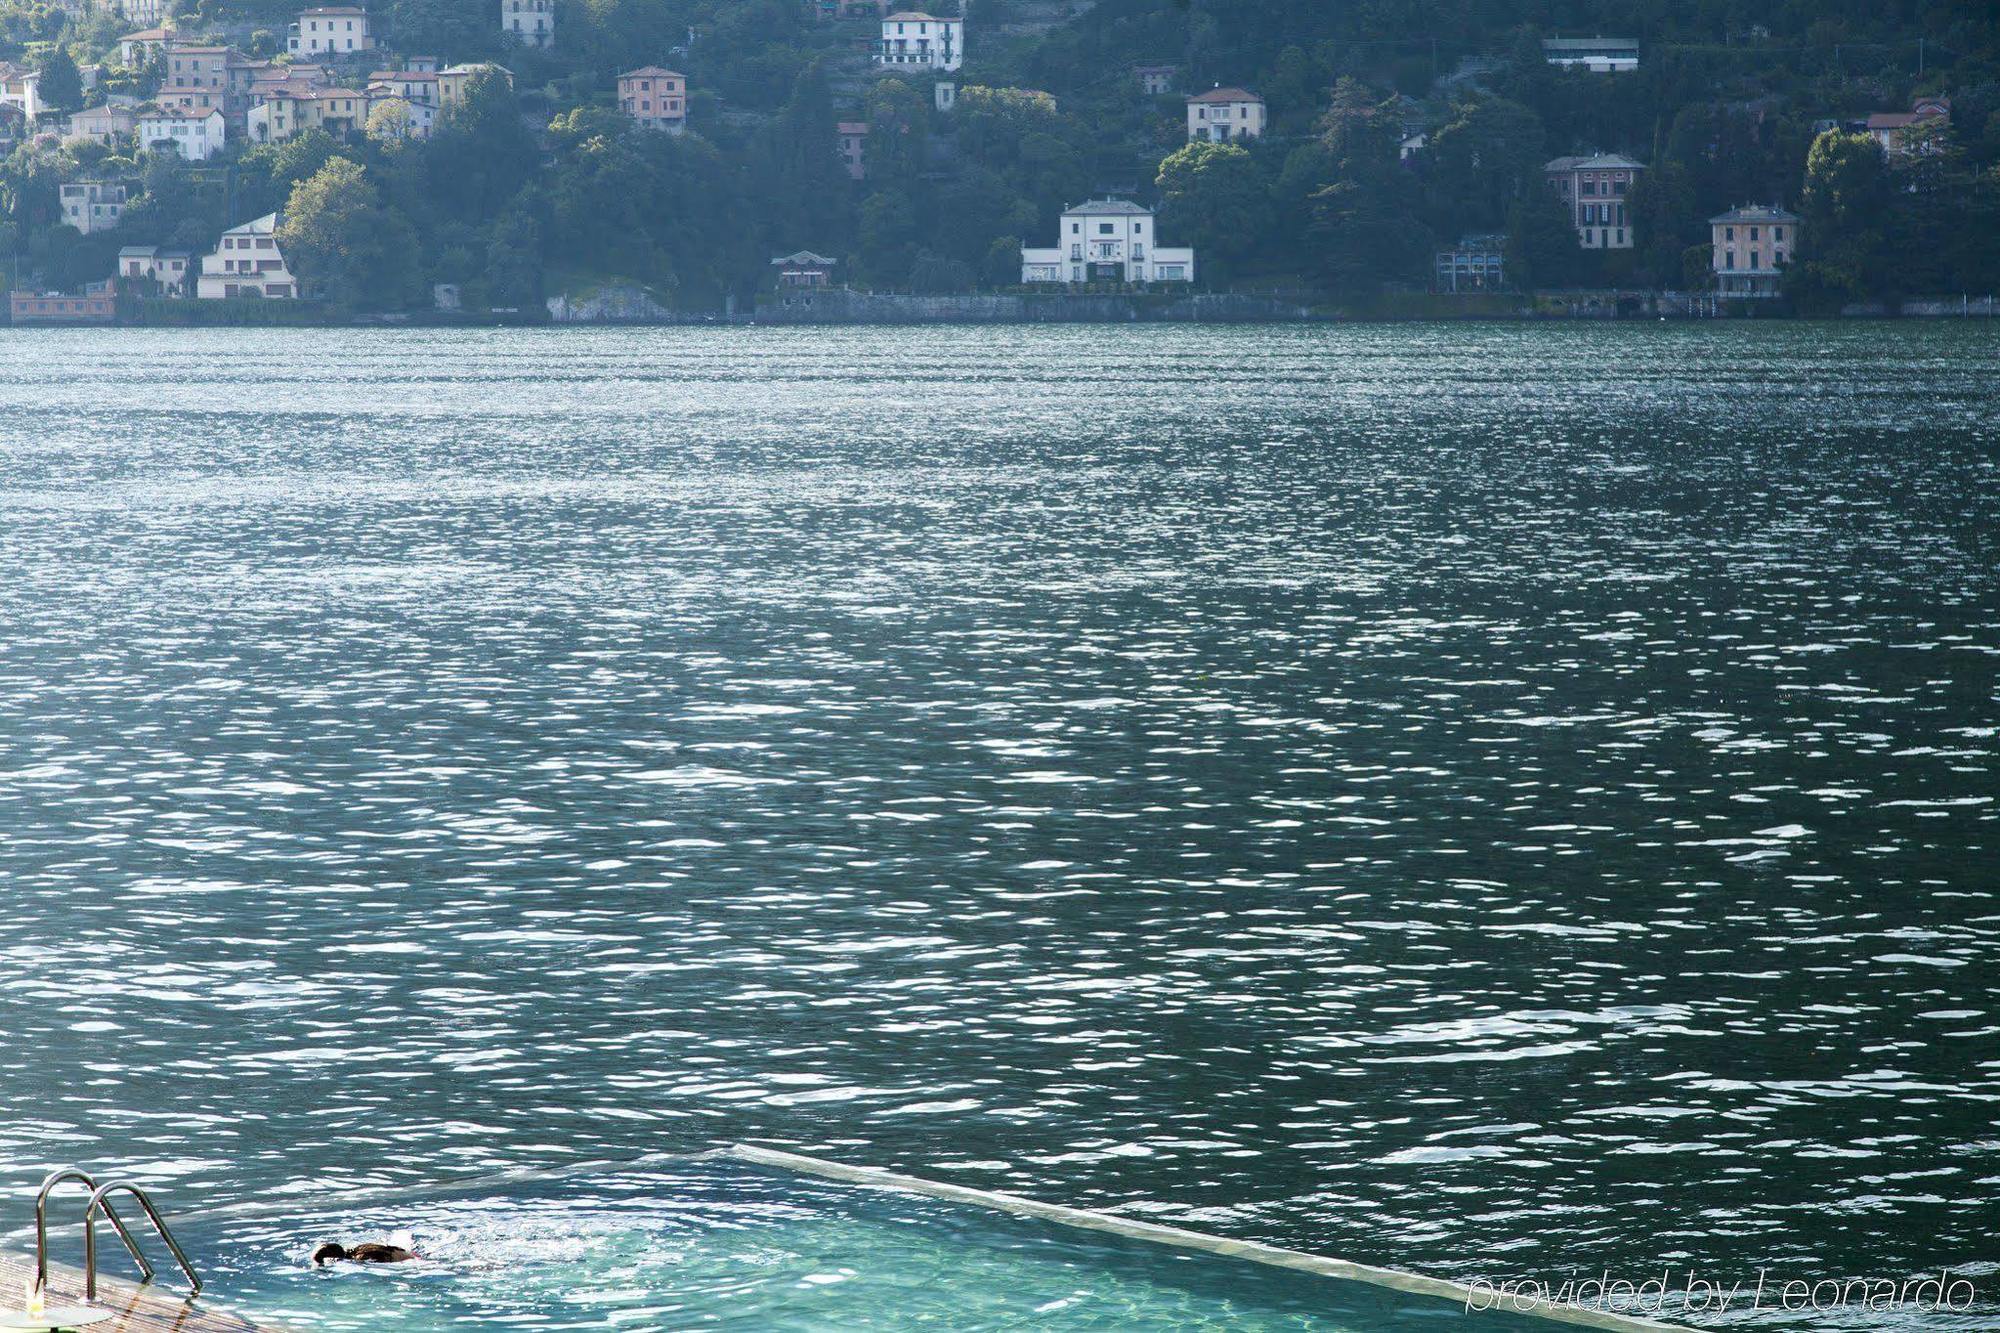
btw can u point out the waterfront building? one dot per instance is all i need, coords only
(1225, 113)
(195, 135)
(911, 38)
(92, 206)
(804, 271)
(529, 22)
(1599, 55)
(93, 307)
(247, 262)
(1752, 244)
(454, 80)
(1593, 189)
(333, 30)
(1475, 264)
(150, 263)
(1155, 80)
(149, 12)
(1106, 240)
(853, 136)
(655, 98)
(101, 124)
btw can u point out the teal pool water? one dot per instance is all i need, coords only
(701, 1244)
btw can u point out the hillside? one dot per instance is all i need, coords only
(546, 175)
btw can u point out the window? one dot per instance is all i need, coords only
(1104, 229)
(1777, 233)
(1729, 233)
(1729, 260)
(1753, 233)
(1754, 257)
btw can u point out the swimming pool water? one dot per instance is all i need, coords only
(719, 1244)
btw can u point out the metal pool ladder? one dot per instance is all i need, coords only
(100, 1201)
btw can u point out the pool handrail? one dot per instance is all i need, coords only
(81, 1177)
(99, 1199)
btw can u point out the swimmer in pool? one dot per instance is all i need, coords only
(400, 1249)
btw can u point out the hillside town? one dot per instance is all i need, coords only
(203, 149)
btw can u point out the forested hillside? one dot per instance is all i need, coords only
(545, 184)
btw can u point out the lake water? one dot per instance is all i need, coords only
(1492, 800)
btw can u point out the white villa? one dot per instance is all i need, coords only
(92, 206)
(530, 22)
(923, 41)
(21, 88)
(1225, 113)
(330, 31)
(247, 262)
(1107, 240)
(169, 268)
(195, 135)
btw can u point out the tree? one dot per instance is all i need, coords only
(1665, 220)
(1214, 197)
(344, 244)
(898, 133)
(1841, 252)
(1003, 262)
(1541, 246)
(514, 258)
(62, 84)
(888, 236)
(934, 274)
(1486, 158)
(480, 154)
(389, 119)
(1360, 229)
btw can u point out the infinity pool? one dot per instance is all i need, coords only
(704, 1242)
(699, 1241)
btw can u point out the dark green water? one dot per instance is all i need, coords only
(1493, 801)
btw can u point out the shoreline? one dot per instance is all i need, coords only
(630, 308)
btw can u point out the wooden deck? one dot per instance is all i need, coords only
(157, 1307)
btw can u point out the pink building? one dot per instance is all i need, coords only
(1593, 189)
(655, 98)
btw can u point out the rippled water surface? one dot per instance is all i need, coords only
(1491, 800)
